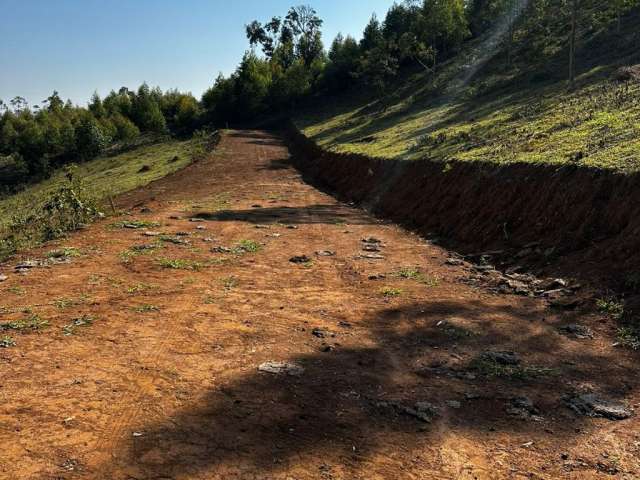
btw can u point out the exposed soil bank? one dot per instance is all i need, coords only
(480, 206)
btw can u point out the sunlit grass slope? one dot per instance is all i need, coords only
(597, 125)
(108, 175)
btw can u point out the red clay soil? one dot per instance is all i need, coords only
(162, 380)
(588, 218)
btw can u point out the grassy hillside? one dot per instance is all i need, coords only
(101, 178)
(474, 111)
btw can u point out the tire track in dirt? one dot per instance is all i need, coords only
(373, 345)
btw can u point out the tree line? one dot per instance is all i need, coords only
(36, 139)
(288, 62)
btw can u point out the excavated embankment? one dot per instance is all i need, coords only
(590, 215)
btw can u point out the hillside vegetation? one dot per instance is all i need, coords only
(74, 195)
(477, 109)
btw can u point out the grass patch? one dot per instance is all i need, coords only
(64, 252)
(611, 307)
(32, 215)
(411, 273)
(629, 337)
(229, 283)
(179, 264)
(140, 288)
(16, 290)
(390, 292)
(6, 342)
(493, 118)
(83, 321)
(247, 246)
(32, 322)
(492, 369)
(63, 303)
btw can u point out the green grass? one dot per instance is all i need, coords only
(611, 307)
(64, 252)
(489, 368)
(6, 342)
(597, 125)
(32, 322)
(390, 292)
(179, 264)
(247, 246)
(83, 321)
(146, 308)
(411, 273)
(103, 178)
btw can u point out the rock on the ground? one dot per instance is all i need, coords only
(502, 358)
(300, 259)
(578, 331)
(593, 405)
(3, 278)
(282, 368)
(326, 253)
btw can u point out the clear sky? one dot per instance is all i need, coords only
(78, 46)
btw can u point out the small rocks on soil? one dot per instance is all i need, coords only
(523, 408)
(377, 276)
(326, 253)
(196, 220)
(502, 358)
(371, 256)
(454, 262)
(282, 368)
(578, 331)
(300, 259)
(151, 234)
(593, 405)
(262, 227)
(3, 278)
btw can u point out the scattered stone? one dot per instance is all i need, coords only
(262, 227)
(372, 256)
(518, 287)
(300, 259)
(344, 324)
(183, 234)
(523, 408)
(282, 368)
(321, 333)
(554, 284)
(201, 227)
(377, 276)
(326, 253)
(196, 220)
(578, 331)
(592, 405)
(327, 348)
(371, 247)
(484, 268)
(175, 240)
(274, 235)
(454, 262)
(220, 250)
(207, 240)
(145, 210)
(371, 240)
(292, 227)
(502, 358)
(423, 411)
(27, 265)
(3, 278)
(453, 404)
(149, 233)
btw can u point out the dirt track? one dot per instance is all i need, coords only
(164, 383)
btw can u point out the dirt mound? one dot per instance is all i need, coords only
(552, 211)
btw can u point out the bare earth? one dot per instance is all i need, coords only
(164, 381)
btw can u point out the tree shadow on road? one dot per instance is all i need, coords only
(312, 214)
(354, 402)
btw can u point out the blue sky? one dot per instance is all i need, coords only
(78, 46)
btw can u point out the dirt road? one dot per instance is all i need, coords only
(145, 356)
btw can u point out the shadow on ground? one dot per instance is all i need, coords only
(336, 411)
(313, 214)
